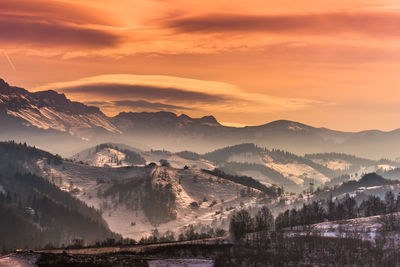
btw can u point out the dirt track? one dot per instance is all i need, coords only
(135, 248)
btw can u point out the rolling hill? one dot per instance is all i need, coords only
(271, 167)
(131, 200)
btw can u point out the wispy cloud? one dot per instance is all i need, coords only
(142, 104)
(57, 11)
(9, 60)
(137, 105)
(375, 24)
(143, 91)
(22, 30)
(158, 92)
(45, 24)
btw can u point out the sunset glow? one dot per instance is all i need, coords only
(328, 63)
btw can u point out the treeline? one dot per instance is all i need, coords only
(342, 185)
(189, 155)
(28, 186)
(309, 250)
(35, 213)
(223, 154)
(348, 208)
(285, 157)
(279, 156)
(14, 156)
(158, 201)
(369, 179)
(244, 180)
(357, 161)
(242, 222)
(188, 233)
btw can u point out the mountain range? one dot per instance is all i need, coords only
(47, 117)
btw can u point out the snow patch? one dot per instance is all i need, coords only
(2, 190)
(334, 164)
(298, 172)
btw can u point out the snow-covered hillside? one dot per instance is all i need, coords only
(114, 155)
(252, 158)
(366, 228)
(107, 157)
(294, 173)
(118, 193)
(335, 164)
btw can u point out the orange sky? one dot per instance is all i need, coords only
(332, 63)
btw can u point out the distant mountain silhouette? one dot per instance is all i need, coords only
(45, 118)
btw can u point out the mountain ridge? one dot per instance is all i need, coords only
(22, 111)
(5, 87)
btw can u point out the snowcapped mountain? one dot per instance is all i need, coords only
(45, 118)
(51, 110)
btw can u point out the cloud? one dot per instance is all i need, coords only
(27, 30)
(137, 105)
(142, 104)
(374, 24)
(56, 10)
(9, 60)
(54, 23)
(114, 92)
(149, 87)
(143, 91)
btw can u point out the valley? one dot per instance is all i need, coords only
(157, 188)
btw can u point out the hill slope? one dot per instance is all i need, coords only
(132, 200)
(270, 167)
(35, 212)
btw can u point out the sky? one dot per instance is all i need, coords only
(331, 63)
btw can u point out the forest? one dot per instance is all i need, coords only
(35, 213)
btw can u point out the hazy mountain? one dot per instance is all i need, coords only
(45, 118)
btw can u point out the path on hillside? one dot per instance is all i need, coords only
(137, 248)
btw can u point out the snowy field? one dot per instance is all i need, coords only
(19, 260)
(367, 228)
(216, 197)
